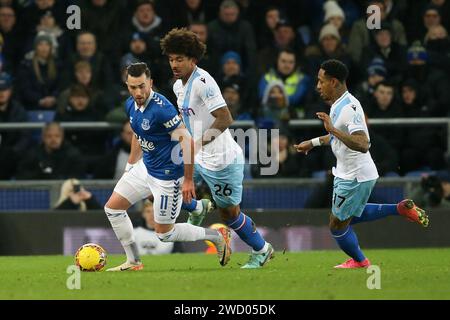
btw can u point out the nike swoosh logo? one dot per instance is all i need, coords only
(125, 269)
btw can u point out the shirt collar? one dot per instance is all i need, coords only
(340, 98)
(146, 102)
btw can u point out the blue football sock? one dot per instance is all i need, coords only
(246, 230)
(348, 242)
(374, 211)
(189, 206)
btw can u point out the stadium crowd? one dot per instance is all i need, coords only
(264, 55)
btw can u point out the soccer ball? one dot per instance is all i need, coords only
(90, 257)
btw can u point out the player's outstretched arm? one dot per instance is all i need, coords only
(182, 135)
(306, 146)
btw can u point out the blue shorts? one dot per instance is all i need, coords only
(226, 184)
(350, 197)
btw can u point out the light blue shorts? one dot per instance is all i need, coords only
(226, 184)
(350, 197)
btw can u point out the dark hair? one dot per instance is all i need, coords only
(144, 2)
(77, 90)
(335, 69)
(183, 41)
(385, 83)
(137, 69)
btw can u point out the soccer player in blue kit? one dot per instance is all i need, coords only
(355, 173)
(160, 163)
(219, 159)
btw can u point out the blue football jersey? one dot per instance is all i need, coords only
(152, 127)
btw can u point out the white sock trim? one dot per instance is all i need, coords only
(263, 250)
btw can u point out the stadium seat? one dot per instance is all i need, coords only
(40, 115)
(419, 173)
(319, 174)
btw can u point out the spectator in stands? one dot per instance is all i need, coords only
(392, 53)
(38, 79)
(231, 71)
(384, 105)
(33, 13)
(376, 73)
(209, 61)
(102, 18)
(229, 32)
(275, 105)
(52, 159)
(74, 196)
(112, 165)
(189, 11)
(434, 82)
(13, 39)
(295, 81)
(437, 43)
(231, 92)
(145, 236)
(266, 35)
(86, 50)
(80, 109)
(444, 11)
(60, 41)
(336, 16)
(149, 25)
(284, 38)
(420, 148)
(83, 77)
(329, 47)
(360, 35)
(12, 143)
(433, 191)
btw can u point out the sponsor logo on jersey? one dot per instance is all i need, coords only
(145, 124)
(172, 122)
(145, 145)
(187, 111)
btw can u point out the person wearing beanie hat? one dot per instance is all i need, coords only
(333, 13)
(329, 30)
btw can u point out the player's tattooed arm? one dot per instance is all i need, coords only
(357, 141)
(222, 122)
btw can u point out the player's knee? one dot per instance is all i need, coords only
(336, 224)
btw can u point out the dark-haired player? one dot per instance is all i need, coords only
(355, 173)
(219, 161)
(155, 166)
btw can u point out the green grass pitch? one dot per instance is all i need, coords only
(405, 274)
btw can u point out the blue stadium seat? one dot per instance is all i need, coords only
(319, 174)
(41, 115)
(419, 173)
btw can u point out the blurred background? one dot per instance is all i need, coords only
(265, 55)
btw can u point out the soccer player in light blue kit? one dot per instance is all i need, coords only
(355, 172)
(161, 163)
(219, 159)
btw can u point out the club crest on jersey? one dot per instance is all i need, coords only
(145, 124)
